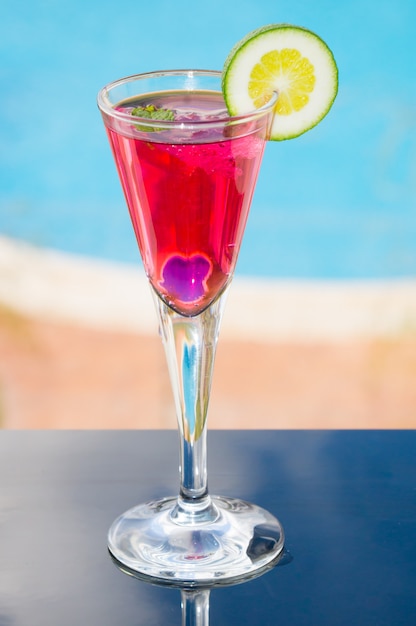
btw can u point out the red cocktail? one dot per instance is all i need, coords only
(188, 197)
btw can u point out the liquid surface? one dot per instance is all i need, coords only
(188, 194)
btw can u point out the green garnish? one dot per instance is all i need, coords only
(152, 112)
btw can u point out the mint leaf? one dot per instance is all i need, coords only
(150, 111)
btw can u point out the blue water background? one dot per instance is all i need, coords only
(338, 202)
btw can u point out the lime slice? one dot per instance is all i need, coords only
(290, 60)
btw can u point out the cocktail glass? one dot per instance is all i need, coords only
(188, 184)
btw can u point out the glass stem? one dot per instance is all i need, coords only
(195, 607)
(190, 345)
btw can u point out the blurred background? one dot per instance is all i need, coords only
(320, 329)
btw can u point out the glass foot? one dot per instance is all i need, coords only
(217, 542)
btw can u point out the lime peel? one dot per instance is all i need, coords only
(288, 59)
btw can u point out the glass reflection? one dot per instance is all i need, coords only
(195, 607)
(195, 600)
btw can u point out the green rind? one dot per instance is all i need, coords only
(254, 33)
(246, 40)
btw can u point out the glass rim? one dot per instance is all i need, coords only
(108, 109)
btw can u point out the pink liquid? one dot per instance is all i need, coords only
(188, 202)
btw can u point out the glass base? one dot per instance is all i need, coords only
(217, 541)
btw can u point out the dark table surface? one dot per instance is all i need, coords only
(347, 501)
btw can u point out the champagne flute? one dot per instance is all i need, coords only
(188, 171)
